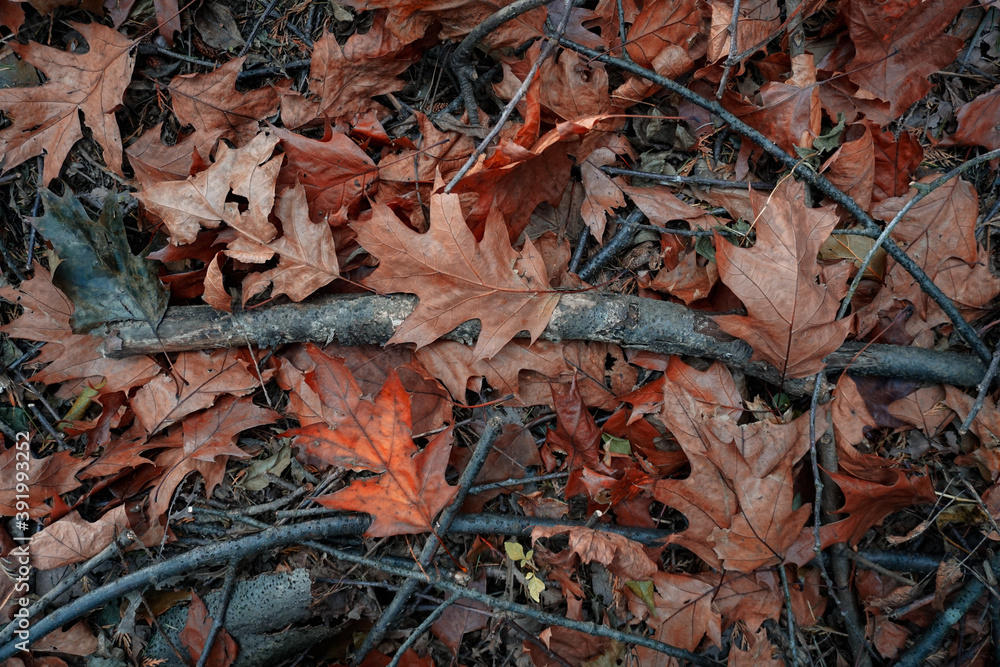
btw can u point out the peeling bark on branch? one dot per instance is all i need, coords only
(645, 324)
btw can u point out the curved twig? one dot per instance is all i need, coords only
(818, 181)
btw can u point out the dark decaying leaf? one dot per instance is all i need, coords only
(98, 271)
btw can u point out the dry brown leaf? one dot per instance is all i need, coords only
(308, 256)
(790, 318)
(201, 201)
(459, 279)
(47, 117)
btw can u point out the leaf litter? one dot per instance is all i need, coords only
(256, 186)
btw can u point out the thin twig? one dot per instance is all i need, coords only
(460, 58)
(818, 181)
(921, 649)
(468, 477)
(594, 629)
(517, 482)
(32, 232)
(546, 51)
(696, 180)
(987, 19)
(122, 540)
(219, 616)
(783, 576)
(424, 626)
(983, 389)
(272, 71)
(624, 235)
(731, 58)
(867, 564)
(257, 26)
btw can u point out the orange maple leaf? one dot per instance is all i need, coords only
(374, 435)
(790, 317)
(46, 117)
(457, 278)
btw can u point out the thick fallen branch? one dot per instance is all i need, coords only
(646, 324)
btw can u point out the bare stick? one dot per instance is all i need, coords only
(658, 326)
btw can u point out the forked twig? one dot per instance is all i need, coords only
(818, 181)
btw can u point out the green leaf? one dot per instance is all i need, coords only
(644, 589)
(830, 140)
(254, 479)
(98, 271)
(704, 247)
(616, 445)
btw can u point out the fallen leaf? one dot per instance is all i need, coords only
(46, 477)
(201, 201)
(684, 614)
(78, 640)
(335, 173)
(896, 161)
(199, 378)
(758, 21)
(622, 556)
(663, 38)
(410, 21)
(47, 117)
(977, 122)
(790, 318)
(73, 539)
(461, 618)
(213, 432)
(195, 634)
(852, 166)
(375, 435)
(69, 356)
(308, 256)
(217, 110)
(343, 79)
(898, 45)
(98, 271)
(461, 280)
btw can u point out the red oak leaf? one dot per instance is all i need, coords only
(790, 317)
(459, 279)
